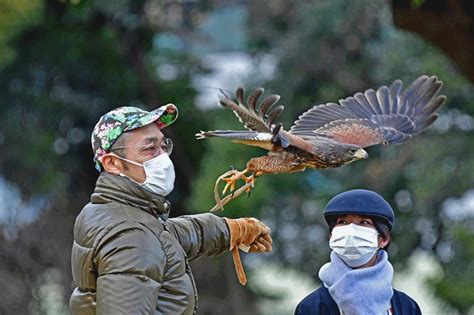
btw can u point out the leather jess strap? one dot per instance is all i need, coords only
(239, 268)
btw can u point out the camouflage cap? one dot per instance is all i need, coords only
(112, 124)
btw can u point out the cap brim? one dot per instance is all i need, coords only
(162, 116)
(167, 115)
(330, 216)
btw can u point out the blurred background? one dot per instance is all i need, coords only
(65, 63)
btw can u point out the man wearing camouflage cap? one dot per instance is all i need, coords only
(127, 256)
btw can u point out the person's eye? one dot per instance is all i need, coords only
(366, 222)
(341, 222)
(150, 148)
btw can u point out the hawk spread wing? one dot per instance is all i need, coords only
(387, 115)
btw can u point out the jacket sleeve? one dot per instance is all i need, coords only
(130, 264)
(202, 234)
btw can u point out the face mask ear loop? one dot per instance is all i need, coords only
(126, 160)
(129, 161)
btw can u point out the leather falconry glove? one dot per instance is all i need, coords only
(248, 234)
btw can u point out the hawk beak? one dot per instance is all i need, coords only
(361, 154)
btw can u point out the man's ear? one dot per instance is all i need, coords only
(111, 164)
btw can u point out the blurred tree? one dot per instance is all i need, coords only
(14, 17)
(437, 21)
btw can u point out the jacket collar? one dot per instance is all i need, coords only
(110, 187)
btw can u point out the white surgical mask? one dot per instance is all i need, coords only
(354, 244)
(159, 173)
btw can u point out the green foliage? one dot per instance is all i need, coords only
(15, 16)
(456, 285)
(416, 3)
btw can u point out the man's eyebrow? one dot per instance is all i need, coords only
(148, 140)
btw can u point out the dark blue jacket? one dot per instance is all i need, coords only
(321, 302)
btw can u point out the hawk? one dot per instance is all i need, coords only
(328, 135)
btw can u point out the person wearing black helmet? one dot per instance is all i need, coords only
(358, 279)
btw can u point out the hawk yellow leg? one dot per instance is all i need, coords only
(231, 177)
(236, 175)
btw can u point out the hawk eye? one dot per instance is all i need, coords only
(353, 151)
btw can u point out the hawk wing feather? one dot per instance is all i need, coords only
(254, 116)
(252, 99)
(388, 115)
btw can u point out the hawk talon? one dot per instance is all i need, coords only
(231, 177)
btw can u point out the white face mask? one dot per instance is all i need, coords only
(354, 244)
(159, 173)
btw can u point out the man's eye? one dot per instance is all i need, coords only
(151, 148)
(341, 222)
(365, 222)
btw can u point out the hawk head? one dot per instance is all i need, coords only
(337, 154)
(353, 153)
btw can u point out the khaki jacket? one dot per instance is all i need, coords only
(128, 259)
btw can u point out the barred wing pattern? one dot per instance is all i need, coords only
(255, 116)
(387, 116)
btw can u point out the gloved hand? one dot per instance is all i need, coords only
(249, 232)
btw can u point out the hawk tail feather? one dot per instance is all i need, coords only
(236, 135)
